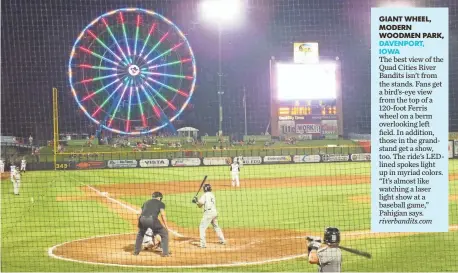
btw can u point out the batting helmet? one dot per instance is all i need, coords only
(331, 235)
(207, 187)
(157, 194)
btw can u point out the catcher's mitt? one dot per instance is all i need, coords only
(157, 240)
(154, 244)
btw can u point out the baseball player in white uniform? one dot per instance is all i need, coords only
(235, 171)
(208, 201)
(2, 165)
(15, 179)
(12, 170)
(23, 165)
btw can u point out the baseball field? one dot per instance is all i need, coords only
(85, 220)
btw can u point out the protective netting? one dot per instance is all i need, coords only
(132, 70)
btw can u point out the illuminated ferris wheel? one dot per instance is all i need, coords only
(132, 71)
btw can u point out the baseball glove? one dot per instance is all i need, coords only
(157, 242)
(154, 244)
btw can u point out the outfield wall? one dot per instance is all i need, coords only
(184, 159)
(231, 152)
(196, 161)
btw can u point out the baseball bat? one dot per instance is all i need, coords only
(351, 250)
(357, 252)
(201, 184)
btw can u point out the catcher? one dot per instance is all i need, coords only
(328, 257)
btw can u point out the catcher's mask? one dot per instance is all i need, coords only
(331, 235)
(157, 194)
(207, 187)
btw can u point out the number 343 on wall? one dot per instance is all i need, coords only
(62, 166)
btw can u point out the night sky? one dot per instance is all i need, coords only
(37, 37)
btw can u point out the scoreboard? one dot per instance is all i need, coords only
(307, 116)
(307, 108)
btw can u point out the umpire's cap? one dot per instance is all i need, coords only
(331, 235)
(157, 194)
(207, 187)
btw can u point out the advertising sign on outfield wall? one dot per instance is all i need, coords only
(185, 162)
(361, 157)
(90, 165)
(305, 137)
(277, 158)
(152, 163)
(122, 163)
(251, 160)
(217, 161)
(308, 129)
(306, 158)
(335, 158)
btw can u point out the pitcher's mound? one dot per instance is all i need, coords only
(244, 247)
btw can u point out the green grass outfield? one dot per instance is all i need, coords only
(30, 228)
(279, 148)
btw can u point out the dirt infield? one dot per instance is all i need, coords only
(244, 247)
(4, 176)
(192, 186)
(284, 182)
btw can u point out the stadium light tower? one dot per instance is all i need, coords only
(221, 13)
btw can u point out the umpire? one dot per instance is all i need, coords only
(148, 219)
(329, 256)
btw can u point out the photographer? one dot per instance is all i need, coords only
(328, 256)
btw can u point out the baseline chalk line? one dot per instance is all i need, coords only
(125, 206)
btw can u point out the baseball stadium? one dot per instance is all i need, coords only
(246, 123)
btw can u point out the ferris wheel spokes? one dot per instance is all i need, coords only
(156, 45)
(113, 115)
(136, 70)
(103, 45)
(171, 105)
(125, 34)
(97, 67)
(137, 30)
(129, 106)
(157, 109)
(90, 95)
(168, 87)
(140, 106)
(126, 60)
(88, 51)
(99, 78)
(169, 75)
(164, 53)
(105, 101)
(151, 30)
(182, 61)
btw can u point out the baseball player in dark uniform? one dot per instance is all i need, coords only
(327, 256)
(148, 219)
